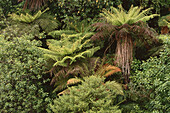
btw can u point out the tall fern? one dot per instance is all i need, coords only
(124, 26)
(68, 56)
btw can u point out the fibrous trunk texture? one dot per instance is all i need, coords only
(124, 54)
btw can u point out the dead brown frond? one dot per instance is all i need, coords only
(76, 69)
(107, 70)
(73, 81)
(103, 30)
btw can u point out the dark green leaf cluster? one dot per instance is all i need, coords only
(80, 9)
(92, 96)
(158, 5)
(21, 76)
(150, 83)
(9, 6)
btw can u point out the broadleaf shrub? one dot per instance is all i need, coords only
(92, 96)
(21, 76)
(149, 86)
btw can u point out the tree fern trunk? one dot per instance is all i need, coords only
(124, 54)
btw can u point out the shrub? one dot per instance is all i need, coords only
(149, 86)
(80, 9)
(21, 76)
(91, 96)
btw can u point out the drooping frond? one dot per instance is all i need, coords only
(73, 81)
(67, 46)
(107, 70)
(27, 18)
(84, 54)
(60, 32)
(77, 69)
(104, 30)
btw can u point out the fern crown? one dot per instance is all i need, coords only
(69, 49)
(119, 16)
(27, 18)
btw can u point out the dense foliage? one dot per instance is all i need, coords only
(80, 9)
(49, 61)
(150, 83)
(21, 73)
(91, 96)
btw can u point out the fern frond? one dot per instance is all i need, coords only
(107, 70)
(146, 18)
(116, 86)
(119, 16)
(73, 81)
(51, 56)
(47, 24)
(62, 77)
(27, 18)
(60, 32)
(66, 91)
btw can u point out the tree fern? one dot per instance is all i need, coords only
(66, 50)
(68, 56)
(124, 26)
(45, 23)
(27, 18)
(119, 16)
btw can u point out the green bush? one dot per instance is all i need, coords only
(80, 9)
(21, 76)
(150, 84)
(91, 96)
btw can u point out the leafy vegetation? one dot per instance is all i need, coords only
(150, 83)
(93, 95)
(122, 27)
(21, 76)
(28, 24)
(63, 53)
(26, 18)
(50, 62)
